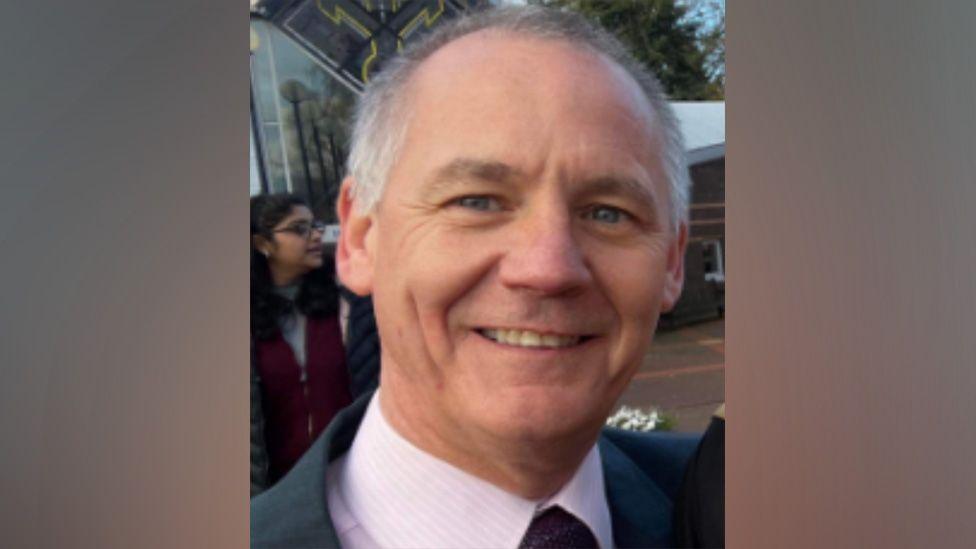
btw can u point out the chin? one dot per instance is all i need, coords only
(545, 415)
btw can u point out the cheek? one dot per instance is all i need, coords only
(296, 251)
(436, 273)
(635, 295)
(448, 275)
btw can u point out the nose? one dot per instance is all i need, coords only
(544, 256)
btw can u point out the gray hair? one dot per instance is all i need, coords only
(381, 119)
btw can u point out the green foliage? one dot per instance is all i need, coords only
(659, 34)
(667, 422)
(711, 36)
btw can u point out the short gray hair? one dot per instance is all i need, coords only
(381, 119)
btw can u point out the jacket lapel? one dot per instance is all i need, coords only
(640, 511)
(295, 512)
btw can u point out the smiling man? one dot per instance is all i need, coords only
(516, 206)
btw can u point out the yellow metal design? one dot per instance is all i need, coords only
(426, 16)
(372, 56)
(255, 41)
(340, 15)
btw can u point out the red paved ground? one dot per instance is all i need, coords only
(683, 375)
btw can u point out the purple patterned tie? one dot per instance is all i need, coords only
(557, 529)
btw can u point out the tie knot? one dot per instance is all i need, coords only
(555, 528)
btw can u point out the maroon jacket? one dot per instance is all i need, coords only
(296, 410)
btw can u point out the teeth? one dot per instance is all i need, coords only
(526, 338)
(531, 339)
(551, 341)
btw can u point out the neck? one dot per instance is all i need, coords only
(532, 469)
(280, 279)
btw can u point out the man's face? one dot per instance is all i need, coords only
(522, 250)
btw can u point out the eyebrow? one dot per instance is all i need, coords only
(295, 223)
(622, 185)
(490, 171)
(471, 169)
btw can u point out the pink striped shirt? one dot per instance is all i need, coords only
(386, 492)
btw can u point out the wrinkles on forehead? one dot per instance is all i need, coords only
(525, 83)
(532, 72)
(449, 64)
(474, 169)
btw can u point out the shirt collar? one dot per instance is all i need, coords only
(404, 497)
(584, 497)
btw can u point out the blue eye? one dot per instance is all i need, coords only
(479, 203)
(607, 214)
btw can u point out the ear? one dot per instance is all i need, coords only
(354, 251)
(262, 245)
(675, 276)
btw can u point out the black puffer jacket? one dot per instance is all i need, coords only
(362, 359)
(699, 510)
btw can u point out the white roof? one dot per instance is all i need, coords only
(703, 127)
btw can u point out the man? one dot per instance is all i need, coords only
(517, 208)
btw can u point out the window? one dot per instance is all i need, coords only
(302, 116)
(712, 261)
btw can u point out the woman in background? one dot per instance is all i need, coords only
(300, 375)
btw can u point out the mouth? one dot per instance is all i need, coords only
(315, 250)
(532, 339)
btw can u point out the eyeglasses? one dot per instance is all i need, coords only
(303, 229)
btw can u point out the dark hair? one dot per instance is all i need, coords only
(318, 295)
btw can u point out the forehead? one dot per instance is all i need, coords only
(519, 98)
(503, 57)
(297, 212)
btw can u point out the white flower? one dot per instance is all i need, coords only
(635, 419)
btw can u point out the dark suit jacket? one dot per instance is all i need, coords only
(642, 473)
(699, 509)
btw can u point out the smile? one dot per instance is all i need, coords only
(528, 338)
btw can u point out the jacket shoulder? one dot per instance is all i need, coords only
(662, 456)
(294, 513)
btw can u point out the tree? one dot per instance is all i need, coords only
(711, 36)
(660, 34)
